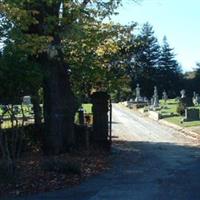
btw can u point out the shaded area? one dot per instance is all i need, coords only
(141, 170)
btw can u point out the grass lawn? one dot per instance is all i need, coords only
(177, 119)
(169, 113)
(87, 107)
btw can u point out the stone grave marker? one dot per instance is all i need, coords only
(183, 93)
(137, 91)
(195, 99)
(191, 114)
(27, 100)
(164, 97)
(155, 98)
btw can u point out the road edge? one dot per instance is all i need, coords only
(184, 131)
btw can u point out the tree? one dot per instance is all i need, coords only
(169, 71)
(52, 32)
(146, 53)
(101, 62)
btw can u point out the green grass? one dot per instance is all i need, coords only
(27, 110)
(177, 120)
(170, 107)
(169, 114)
(87, 108)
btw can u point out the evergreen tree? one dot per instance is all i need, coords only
(145, 60)
(169, 71)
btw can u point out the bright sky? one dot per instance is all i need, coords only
(177, 19)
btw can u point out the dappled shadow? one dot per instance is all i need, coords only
(140, 170)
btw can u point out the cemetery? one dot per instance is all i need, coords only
(65, 68)
(19, 137)
(183, 111)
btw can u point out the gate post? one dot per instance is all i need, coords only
(100, 119)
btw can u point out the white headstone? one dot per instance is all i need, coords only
(27, 100)
(155, 98)
(137, 91)
(182, 93)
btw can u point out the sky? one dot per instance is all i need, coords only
(179, 20)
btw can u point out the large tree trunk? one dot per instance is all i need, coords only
(58, 97)
(58, 108)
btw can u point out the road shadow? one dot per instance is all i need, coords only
(173, 169)
(140, 171)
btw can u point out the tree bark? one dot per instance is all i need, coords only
(58, 97)
(58, 108)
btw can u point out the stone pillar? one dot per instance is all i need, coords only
(100, 118)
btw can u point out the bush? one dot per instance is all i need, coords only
(180, 108)
(60, 166)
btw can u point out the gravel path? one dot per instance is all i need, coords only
(150, 162)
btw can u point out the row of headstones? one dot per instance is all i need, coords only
(155, 98)
(26, 100)
(195, 98)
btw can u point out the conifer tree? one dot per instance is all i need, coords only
(169, 73)
(145, 60)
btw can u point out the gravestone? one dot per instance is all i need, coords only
(195, 99)
(183, 93)
(100, 119)
(138, 97)
(151, 101)
(155, 98)
(184, 100)
(191, 114)
(27, 100)
(146, 100)
(164, 97)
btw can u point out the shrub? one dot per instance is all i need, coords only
(180, 108)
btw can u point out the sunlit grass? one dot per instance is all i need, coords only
(87, 108)
(169, 113)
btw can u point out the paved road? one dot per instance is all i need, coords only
(150, 162)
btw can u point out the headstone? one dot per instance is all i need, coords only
(183, 93)
(151, 102)
(165, 97)
(191, 114)
(195, 99)
(155, 98)
(186, 101)
(27, 100)
(138, 97)
(146, 100)
(131, 100)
